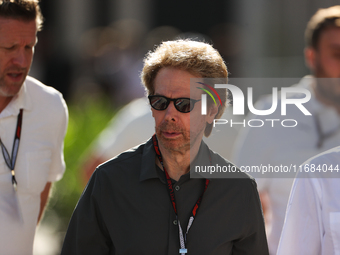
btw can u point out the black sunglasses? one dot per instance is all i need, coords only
(160, 103)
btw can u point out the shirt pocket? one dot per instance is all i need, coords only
(335, 231)
(38, 167)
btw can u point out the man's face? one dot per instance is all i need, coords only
(327, 55)
(325, 63)
(17, 41)
(172, 126)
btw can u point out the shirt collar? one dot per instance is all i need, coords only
(22, 100)
(148, 168)
(204, 158)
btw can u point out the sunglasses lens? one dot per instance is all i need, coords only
(159, 103)
(183, 105)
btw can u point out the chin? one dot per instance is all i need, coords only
(175, 144)
(10, 91)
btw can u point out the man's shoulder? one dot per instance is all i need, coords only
(327, 158)
(323, 165)
(234, 172)
(45, 101)
(217, 168)
(232, 178)
(128, 161)
(37, 89)
(331, 155)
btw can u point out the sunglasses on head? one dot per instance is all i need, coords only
(183, 104)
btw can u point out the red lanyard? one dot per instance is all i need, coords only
(10, 161)
(183, 249)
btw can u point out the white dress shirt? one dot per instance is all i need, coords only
(40, 160)
(284, 146)
(312, 224)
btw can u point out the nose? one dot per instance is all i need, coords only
(21, 58)
(171, 112)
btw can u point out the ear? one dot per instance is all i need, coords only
(213, 110)
(310, 55)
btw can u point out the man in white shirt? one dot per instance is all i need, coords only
(314, 134)
(312, 224)
(33, 120)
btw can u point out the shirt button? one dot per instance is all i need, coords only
(175, 222)
(177, 188)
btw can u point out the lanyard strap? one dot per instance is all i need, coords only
(182, 237)
(10, 161)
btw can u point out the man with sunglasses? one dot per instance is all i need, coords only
(146, 201)
(33, 120)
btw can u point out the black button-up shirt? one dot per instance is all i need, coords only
(126, 209)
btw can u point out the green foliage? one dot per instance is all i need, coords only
(86, 121)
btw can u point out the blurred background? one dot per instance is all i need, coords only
(92, 52)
